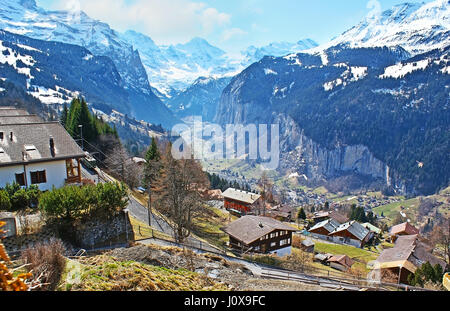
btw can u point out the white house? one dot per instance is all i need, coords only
(34, 152)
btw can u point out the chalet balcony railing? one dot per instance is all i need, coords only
(72, 180)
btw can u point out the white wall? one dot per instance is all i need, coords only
(55, 171)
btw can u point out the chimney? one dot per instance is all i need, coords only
(52, 146)
(1, 135)
(261, 225)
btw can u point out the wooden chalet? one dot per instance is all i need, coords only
(323, 229)
(408, 254)
(402, 229)
(341, 262)
(241, 202)
(352, 233)
(256, 234)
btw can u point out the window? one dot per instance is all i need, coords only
(20, 179)
(273, 244)
(38, 177)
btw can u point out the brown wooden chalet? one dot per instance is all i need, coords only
(241, 202)
(402, 229)
(408, 254)
(257, 234)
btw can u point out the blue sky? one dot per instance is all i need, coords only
(229, 24)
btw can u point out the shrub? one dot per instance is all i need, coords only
(73, 202)
(46, 262)
(68, 202)
(33, 195)
(20, 200)
(5, 203)
(12, 188)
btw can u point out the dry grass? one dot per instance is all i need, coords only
(46, 262)
(105, 273)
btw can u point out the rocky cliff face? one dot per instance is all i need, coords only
(300, 154)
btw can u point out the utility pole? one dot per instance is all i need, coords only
(81, 133)
(149, 206)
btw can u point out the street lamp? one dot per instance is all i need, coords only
(81, 133)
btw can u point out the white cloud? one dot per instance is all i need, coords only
(232, 32)
(165, 21)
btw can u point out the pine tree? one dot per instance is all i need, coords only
(64, 115)
(301, 214)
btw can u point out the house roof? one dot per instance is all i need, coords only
(404, 228)
(308, 242)
(241, 196)
(17, 119)
(408, 252)
(11, 111)
(332, 214)
(342, 259)
(31, 143)
(372, 227)
(355, 228)
(251, 228)
(330, 225)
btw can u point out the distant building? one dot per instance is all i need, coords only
(34, 152)
(323, 229)
(352, 233)
(372, 228)
(408, 254)
(322, 216)
(256, 234)
(138, 161)
(341, 262)
(282, 212)
(402, 229)
(307, 245)
(322, 258)
(241, 202)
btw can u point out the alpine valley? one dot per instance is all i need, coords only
(371, 104)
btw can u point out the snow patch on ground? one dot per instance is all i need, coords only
(401, 70)
(13, 57)
(268, 71)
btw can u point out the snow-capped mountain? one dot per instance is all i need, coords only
(173, 68)
(254, 54)
(24, 17)
(417, 27)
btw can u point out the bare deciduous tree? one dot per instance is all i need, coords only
(177, 191)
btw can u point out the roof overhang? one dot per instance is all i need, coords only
(79, 156)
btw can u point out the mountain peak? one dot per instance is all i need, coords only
(417, 27)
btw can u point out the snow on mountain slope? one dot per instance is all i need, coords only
(173, 68)
(418, 28)
(75, 27)
(254, 54)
